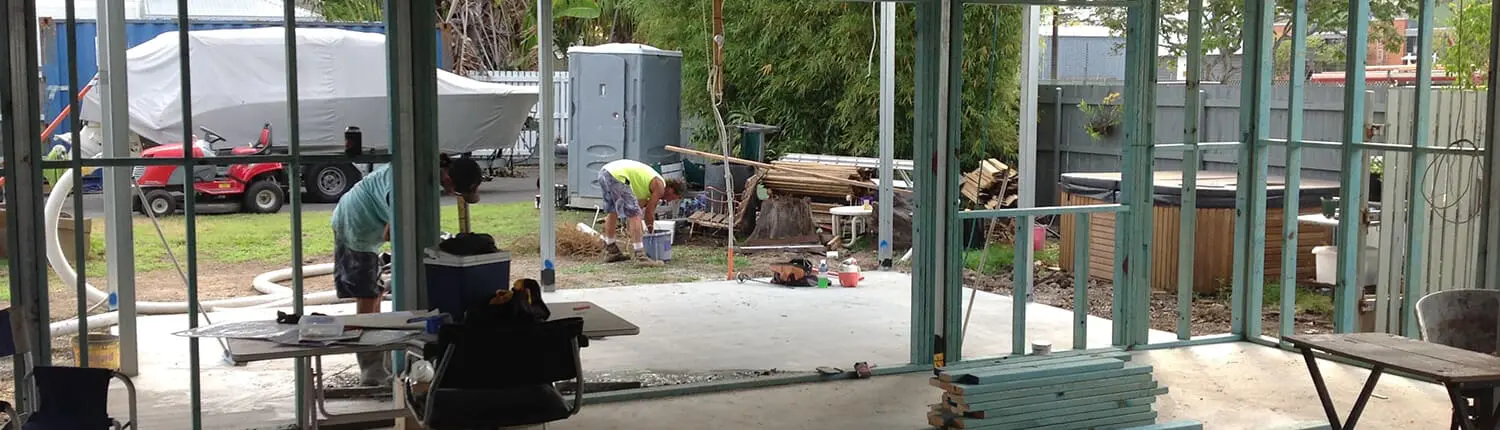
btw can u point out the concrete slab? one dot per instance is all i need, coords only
(690, 327)
(1228, 386)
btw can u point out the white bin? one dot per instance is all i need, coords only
(1327, 261)
(670, 226)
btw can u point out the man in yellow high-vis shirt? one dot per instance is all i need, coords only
(632, 190)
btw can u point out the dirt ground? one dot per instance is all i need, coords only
(1211, 315)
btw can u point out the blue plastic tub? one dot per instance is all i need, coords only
(658, 245)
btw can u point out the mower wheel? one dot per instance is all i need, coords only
(159, 203)
(264, 197)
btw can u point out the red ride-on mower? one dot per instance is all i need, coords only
(253, 188)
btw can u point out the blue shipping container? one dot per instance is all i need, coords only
(55, 50)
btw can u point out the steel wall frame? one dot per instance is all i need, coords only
(936, 282)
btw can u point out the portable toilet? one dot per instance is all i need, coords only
(625, 101)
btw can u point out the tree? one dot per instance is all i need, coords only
(1464, 51)
(501, 34)
(1224, 20)
(808, 67)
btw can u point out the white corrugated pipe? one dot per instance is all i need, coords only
(266, 283)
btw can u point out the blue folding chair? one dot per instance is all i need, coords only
(67, 397)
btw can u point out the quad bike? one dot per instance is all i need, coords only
(252, 187)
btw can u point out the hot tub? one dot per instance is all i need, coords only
(1213, 262)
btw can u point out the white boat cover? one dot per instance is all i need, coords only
(239, 84)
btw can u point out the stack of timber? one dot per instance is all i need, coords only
(797, 184)
(1093, 389)
(993, 185)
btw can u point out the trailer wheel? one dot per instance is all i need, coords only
(264, 197)
(328, 182)
(159, 203)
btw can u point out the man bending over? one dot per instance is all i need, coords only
(632, 190)
(361, 225)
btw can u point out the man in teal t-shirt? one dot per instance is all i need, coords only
(361, 225)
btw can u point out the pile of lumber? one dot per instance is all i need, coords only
(1069, 390)
(790, 183)
(993, 185)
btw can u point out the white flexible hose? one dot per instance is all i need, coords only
(267, 283)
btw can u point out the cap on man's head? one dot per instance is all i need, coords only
(465, 176)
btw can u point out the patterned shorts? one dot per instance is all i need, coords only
(618, 198)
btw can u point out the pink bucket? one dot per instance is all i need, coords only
(1038, 237)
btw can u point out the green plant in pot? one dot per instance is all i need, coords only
(1103, 118)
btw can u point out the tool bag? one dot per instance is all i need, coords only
(795, 273)
(521, 304)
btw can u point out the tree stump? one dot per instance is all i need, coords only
(784, 218)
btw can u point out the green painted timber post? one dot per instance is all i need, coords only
(1489, 249)
(1347, 289)
(1187, 239)
(1081, 281)
(1416, 208)
(1133, 246)
(924, 263)
(948, 169)
(1255, 279)
(1292, 194)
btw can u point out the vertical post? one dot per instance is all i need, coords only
(1293, 194)
(926, 342)
(190, 212)
(1080, 281)
(1255, 269)
(1133, 242)
(1416, 208)
(412, 73)
(1031, 62)
(950, 251)
(1187, 239)
(75, 167)
(887, 129)
(547, 102)
(1348, 289)
(294, 183)
(1490, 252)
(118, 198)
(1249, 231)
(23, 173)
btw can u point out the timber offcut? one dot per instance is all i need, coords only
(1092, 389)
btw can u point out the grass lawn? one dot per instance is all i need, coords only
(267, 239)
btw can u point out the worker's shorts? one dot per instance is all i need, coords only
(618, 198)
(356, 274)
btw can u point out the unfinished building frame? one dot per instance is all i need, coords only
(936, 337)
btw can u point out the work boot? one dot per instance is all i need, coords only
(612, 253)
(644, 261)
(374, 368)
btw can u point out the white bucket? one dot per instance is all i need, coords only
(1327, 261)
(668, 226)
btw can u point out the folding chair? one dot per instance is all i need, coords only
(493, 377)
(1465, 319)
(67, 397)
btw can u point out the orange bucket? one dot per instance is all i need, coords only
(849, 279)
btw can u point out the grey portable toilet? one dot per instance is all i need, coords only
(626, 102)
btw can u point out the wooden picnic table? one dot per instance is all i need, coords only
(1460, 371)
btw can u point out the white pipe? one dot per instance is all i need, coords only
(266, 283)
